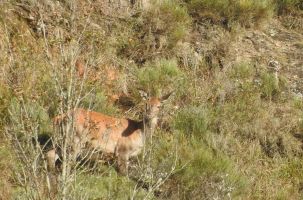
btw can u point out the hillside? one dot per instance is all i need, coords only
(232, 129)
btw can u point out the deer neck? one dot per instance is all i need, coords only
(149, 125)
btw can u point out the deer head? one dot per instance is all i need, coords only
(153, 106)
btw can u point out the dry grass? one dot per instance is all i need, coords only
(227, 12)
(227, 132)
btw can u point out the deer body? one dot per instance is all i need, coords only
(121, 137)
(107, 133)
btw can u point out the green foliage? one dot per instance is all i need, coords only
(163, 74)
(293, 170)
(168, 15)
(242, 71)
(32, 110)
(28, 116)
(164, 152)
(270, 85)
(47, 94)
(193, 120)
(243, 105)
(266, 83)
(238, 115)
(111, 186)
(298, 103)
(205, 163)
(97, 101)
(208, 168)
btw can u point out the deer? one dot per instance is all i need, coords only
(122, 137)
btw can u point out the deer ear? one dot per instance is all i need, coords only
(165, 97)
(143, 94)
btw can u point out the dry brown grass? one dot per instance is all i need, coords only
(231, 125)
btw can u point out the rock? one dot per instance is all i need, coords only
(275, 65)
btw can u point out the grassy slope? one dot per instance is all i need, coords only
(234, 126)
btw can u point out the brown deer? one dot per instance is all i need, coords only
(121, 137)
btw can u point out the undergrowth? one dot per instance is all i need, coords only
(228, 131)
(227, 12)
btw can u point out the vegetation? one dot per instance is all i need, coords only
(226, 11)
(232, 129)
(284, 6)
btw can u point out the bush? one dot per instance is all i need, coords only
(214, 175)
(35, 115)
(155, 76)
(269, 85)
(156, 32)
(170, 17)
(97, 101)
(242, 71)
(193, 121)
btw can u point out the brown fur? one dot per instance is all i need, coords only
(119, 136)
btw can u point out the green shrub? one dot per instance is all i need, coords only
(298, 103)
(238, 116)
(264, 82)
(193, 121)
(97, 101)
(172, 18)
(293, 170)
(269, 85)
(214, 175)
(107, 186)
(31, 114)
(242, 105)
(242, 71)
(160, 75)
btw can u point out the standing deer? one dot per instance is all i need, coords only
(121, 137)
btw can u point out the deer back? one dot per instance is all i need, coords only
(102, 131)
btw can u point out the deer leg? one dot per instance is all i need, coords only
(76, 147)
(51, 157)
(123, 164)
(123, 155)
